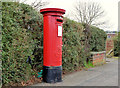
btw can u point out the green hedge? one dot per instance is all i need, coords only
(73, 48)
(0, 44)
(34, 20)
(20, 41)
(97, 40)
(16, 45)
(117, 45)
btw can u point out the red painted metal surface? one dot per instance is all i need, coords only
(52, 43)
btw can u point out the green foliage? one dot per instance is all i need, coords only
(75, 53)
(117, 45)
(33, 21)
(15, 45)
(19, 41)
(0, 46)
(88, 64)
(97, 40)
(73, 50)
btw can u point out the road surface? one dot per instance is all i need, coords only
(104, 75)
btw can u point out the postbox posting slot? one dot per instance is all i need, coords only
(60, 20)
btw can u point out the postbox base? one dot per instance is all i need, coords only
(52, 74)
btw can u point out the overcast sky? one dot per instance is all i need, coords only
(109, 6)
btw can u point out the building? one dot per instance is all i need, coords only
(110, 43)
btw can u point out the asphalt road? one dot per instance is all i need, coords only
(104, 75)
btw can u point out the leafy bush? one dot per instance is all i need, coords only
(20, 39)
(73, 48)
(16, 45)
(0, 46)
(33, 21)
(74, 44)
(97, 40)
(117, 45)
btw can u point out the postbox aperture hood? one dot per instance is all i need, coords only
(52, 10)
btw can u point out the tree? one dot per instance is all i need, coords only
(89, 12)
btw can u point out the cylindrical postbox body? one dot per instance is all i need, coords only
(52, 44)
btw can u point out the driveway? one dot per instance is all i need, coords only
(104, 75)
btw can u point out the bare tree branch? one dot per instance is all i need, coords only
(39, 5)
(88, 12)
(36, 4)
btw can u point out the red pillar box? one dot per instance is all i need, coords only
(52, 44)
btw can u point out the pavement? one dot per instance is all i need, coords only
(104, 75)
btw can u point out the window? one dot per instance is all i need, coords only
(108, 36)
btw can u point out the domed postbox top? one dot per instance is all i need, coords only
(55, 10)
